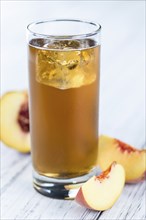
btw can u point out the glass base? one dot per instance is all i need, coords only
(60, 188)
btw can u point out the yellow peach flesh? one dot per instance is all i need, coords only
(11, 133)
(133, 160)
(100, 193)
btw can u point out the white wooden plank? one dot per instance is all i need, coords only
(12, 164)
(21, 201)
(130, 205)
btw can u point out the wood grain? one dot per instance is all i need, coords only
(21, 201)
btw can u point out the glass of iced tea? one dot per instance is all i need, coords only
(64, 66)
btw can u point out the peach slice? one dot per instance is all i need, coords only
(133, 160)
(101, 192)
(14, 121)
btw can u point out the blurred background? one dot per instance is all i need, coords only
(122, 88)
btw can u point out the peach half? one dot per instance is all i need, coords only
(101, 192)
(14, 121)
(132, 159)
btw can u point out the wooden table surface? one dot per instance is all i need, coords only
(122, 115)
(21, 201)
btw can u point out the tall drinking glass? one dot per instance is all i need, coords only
(64, 58)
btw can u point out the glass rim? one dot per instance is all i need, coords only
(74, 36)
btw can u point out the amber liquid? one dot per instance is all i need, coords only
(64, 122)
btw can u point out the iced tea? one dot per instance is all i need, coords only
(64, 87)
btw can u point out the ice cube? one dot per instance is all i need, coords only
(65, 68)
(63, 45)
(87, 56)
